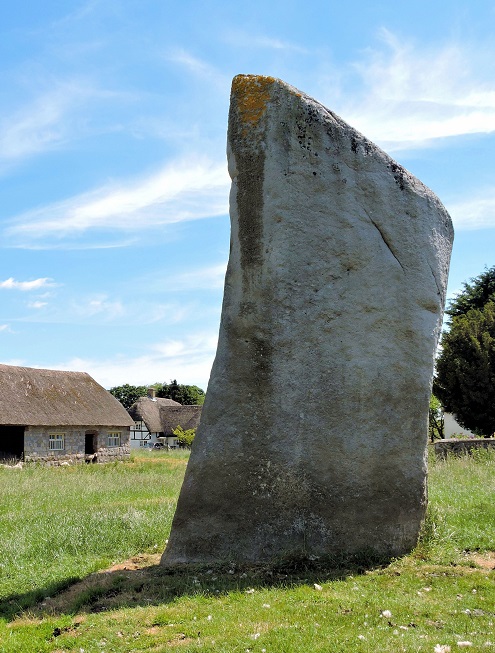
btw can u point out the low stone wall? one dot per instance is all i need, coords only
(460, 447)
(113, 453)
(36, 445)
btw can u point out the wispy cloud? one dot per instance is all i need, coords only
(242, 39)
(207, 278)
(52, 117)
(478, 212)
(99, 305)
(37, 305)
(412, 96)
(5, 328)
(199, 67)
(36, 284)
(188, 360)
(44, 123)
(182, 191)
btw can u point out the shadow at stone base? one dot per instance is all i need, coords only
(128, 585)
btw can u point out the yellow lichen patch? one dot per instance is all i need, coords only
(252, 93)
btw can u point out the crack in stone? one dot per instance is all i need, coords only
(385, 240)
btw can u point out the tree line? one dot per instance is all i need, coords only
(187, 395)
(464, 380)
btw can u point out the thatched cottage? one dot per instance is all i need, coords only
(157, 418)
(54, 416)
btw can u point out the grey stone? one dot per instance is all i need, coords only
(312, 443)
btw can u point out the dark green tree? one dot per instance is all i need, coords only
(465, 370)
(186, 395)
(128, 394)
(475, 294)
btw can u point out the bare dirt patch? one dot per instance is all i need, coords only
(101, 583)
(484, 560)
(136, 562)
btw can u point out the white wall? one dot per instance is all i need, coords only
(451, 427)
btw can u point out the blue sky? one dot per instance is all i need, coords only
(114, 228)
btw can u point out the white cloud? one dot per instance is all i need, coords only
(200, 68)
(12, 284)
(34, 128)
(100, 305)
(45, 122)
(412, 95)
(186, 190)
(37, 304)
(209, 278)
(478, 212)
(5, 328)
(189, 361)
(249, 40)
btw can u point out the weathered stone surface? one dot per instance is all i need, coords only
(313, 434)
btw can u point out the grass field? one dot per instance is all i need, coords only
(79, 573)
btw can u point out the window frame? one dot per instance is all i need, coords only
(114, 439)
(56, 439)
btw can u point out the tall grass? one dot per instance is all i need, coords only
(57, 524)
(461, 511)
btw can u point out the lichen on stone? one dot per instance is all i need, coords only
(251, 93)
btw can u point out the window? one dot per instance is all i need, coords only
(56, 441)
(114, 439)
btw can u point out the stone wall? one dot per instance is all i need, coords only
(460, 447)
(36, 444)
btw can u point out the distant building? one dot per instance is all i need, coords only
(156, 417)
(451, 428)
(54, 416)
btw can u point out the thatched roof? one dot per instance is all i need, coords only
(34, 397)
(186, 416)
(163, 415)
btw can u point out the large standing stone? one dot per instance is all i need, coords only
(313, 435)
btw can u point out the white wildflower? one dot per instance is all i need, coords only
(317, 587)
(361, 637)
(209, 617)
(442, 648)
(255, 636)
(387, 614)
(250, 591)
(266, 605)
(464, 644)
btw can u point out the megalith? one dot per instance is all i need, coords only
(312, 442)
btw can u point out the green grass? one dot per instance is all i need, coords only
(61, 523)
(57, 525)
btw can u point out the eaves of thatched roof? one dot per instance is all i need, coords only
(148, 410)
(37, 397)
(186, 416)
